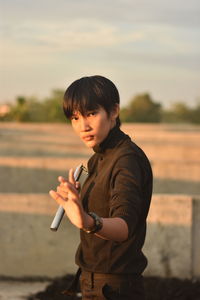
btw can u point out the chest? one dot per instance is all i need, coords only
(97, 188)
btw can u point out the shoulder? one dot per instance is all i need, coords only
(128, 148)
(130, 157)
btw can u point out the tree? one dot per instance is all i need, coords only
(142, 109)
(195, 114)
(19, 112)
(33, 110)
(53, 107)
(178, 113)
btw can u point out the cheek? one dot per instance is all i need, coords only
(105, 128)
(75, 128)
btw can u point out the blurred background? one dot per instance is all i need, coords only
(151, 51)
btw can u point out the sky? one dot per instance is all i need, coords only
(143, 46)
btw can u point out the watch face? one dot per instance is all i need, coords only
(98, 224)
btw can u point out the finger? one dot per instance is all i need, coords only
(71, 189)
(57, 197)
(63, 187)
(66, 185)
(71, 177)
(64, 194)
(78, 185)
(61, 179)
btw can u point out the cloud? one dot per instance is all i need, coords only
(32, 28)
(47, 39)
(176, 12)
(83, 34)
(125, 39)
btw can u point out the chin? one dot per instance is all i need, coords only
(90, 144)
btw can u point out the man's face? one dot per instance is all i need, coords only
(94, 127)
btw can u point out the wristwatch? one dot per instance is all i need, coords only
(98, 224)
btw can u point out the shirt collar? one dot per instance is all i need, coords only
(114, 136)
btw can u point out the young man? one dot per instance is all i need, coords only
(113, 204)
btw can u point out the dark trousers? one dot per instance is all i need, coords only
(95, 286)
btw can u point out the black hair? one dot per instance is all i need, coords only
(89, 93)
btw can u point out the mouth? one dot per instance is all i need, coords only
(88, 138)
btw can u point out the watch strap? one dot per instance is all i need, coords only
(98, 224)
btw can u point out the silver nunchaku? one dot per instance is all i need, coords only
(80, 174)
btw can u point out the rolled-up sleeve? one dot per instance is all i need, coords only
(126, 199)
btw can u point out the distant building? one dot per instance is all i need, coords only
(4, 110)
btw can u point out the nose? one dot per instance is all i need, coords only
(84, 124)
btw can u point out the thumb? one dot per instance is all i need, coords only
(71, 177)
(77, 185)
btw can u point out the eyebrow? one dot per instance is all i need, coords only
(86, 112)
(76, 113)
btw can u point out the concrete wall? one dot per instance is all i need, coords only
(196, 238)
(29, 248)
(169, 239)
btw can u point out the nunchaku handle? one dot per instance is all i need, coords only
(60, 211)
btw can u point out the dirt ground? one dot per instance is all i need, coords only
(156, 289)
(20, 290)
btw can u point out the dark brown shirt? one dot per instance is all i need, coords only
(119, 184)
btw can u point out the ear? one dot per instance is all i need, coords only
(115, 112)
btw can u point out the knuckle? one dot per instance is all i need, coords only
(58, 189)
(57, 197)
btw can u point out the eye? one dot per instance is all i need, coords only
(92, 113)
(74, 118)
